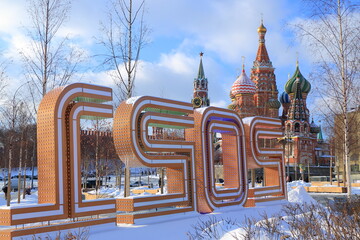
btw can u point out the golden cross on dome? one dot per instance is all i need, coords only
(262, 18)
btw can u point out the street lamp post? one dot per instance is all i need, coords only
(285, 141)
(288, 156)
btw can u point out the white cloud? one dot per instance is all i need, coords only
(220, 104)
(225, 30)
(170, 77)
(18, 43)
(173, 75)
(177, 62)
(13, 16)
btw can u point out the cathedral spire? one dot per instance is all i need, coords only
(319, 136)
(262, 74)
(262, 54)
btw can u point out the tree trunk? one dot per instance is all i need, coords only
(148, 173)
(337, 173)
(308, 165)
(139, 179)
(24, 184)
(162, 180)
(33, 165)
(20, 169)
(344, 102)
(331, 162)
(120, 176)
(45, 49)
(127, 182)
(97, 175)
(253, 178)
(8, 199)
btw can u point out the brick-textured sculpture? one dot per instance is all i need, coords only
(189, 162)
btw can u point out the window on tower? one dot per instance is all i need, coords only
(288, 127)
(305, 127)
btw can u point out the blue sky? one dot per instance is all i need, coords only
(225, 30)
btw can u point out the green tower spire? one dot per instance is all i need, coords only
(320, 137)
(201, 73)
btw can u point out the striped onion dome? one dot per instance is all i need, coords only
(243, 85)
(290, 86)
(274, 103)
(314, 128)
(232, 105)
(284, 98)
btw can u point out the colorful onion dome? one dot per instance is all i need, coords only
(231, 95)
(232, 105)
(243, 85)
(290, 86)
(284, 98)
(262, 28)
(314, 128)
(274, 103)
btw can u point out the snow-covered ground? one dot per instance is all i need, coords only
(176, 226)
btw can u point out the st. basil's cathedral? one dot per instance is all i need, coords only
(258, 96)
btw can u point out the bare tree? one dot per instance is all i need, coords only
(49, 61)
(332, 33)
(12, 115)
(23, 122)
(125, 36)
(3, 77)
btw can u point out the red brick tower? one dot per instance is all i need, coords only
(200, 94)
(262, 74)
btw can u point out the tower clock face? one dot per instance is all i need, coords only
(197, 102)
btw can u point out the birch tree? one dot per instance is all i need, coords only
(11, 114)
(332, 33)
(125, 34)
(3, 78)
(50, 61)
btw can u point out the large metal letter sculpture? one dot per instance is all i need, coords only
(271, 159)
(131, 122)
(78, 207)
(57, 170)
(189, 163)
(207, 122)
